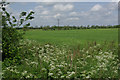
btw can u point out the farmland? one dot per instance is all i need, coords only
(43, 55)
(73, 37)
(48, 53)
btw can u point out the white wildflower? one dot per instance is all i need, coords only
(23, 73)
(50, 74)
(62, 76)
(43, 69)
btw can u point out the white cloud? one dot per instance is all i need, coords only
(57, 15)
(115, 0)
(47, 3)
(73, 14)
(45, 17)
(75, 18)
(38, 8)
(45, 12)
(61, 7)
(97, 7)
(108, 13)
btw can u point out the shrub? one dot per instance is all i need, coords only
(10, 42)
(10, 35)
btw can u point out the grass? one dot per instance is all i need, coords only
(97, 59)
(0, 69)
(50, 62)
(72, 37)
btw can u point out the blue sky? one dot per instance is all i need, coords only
(69, 13)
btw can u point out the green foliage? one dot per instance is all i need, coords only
(10, 36)
(10, 42)
(51, 62)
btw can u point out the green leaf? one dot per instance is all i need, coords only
(14, 19)
(8, 15)
(23, 14)
(21, 21)
(28, 24)
(32, 12)
(3, 9)
(14, 24)
(31, 17)
(10, 23)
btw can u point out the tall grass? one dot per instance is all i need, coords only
(51, 62)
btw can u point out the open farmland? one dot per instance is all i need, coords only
(43, 55)
(60, 41)
(73, 37)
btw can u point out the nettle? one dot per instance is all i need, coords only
(10, 35)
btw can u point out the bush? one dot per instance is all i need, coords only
(10, 35)
(10, 42)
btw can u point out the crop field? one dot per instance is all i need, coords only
(73, 37)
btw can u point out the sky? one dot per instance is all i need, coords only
(62, 0)
(68, 13)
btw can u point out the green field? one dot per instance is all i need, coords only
(72, 37)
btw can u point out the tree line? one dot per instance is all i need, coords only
(70, 27)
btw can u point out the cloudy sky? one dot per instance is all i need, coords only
(69, 13)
